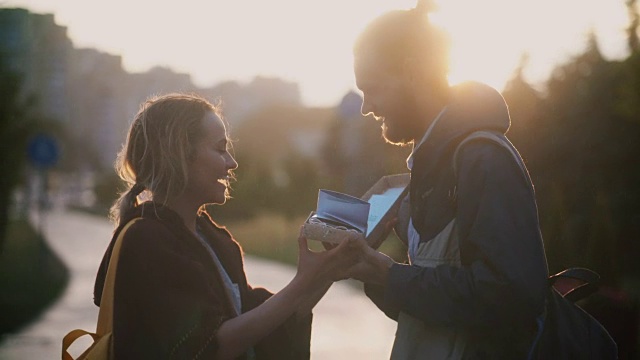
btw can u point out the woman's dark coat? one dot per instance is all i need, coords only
(170, 298)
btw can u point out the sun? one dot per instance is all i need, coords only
(490, 37)
(481, 48)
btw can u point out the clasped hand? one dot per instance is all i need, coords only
(351, 258)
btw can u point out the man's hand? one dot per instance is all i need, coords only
(388, 226)
(372, 266)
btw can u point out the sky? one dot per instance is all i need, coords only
(309, 42)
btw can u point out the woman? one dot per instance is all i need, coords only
(181, 291)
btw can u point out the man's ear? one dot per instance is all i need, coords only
(410, 71)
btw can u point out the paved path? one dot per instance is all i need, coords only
(346, 324)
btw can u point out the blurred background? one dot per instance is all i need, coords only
(73, 73)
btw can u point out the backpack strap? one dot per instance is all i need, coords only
(102, 336)
(589, 278)
(494, 137)
(105, 315)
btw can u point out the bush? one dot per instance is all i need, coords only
(31, 276)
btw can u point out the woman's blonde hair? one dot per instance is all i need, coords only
(160, 144)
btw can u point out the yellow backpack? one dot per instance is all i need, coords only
(102, 340)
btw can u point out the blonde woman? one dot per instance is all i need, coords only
(181, 291)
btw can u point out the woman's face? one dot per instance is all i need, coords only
(209, 170)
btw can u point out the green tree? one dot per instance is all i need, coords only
(15, 125)
(524, 103)
(632, 31)
(580, 143)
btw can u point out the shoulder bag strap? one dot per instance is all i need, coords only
(105, 315)
(492, 136)
(589, 278)
(497, 138)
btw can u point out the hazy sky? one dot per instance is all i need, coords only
(309, 42)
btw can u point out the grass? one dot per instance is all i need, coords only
(31, 276)
(274, 237)
(270, 236)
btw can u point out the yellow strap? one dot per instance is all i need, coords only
(105, 315)
(72, 336)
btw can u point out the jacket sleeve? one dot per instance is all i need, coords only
(376, 293)
(503, 274)
(164, 306)
(289, 341)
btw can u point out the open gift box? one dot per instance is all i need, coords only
(384, 198)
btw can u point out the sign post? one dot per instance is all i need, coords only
(43, 153)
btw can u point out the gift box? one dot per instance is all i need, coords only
(339, 216)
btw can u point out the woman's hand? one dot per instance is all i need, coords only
(374, 243)
(316, 273)
(324, 267)
(320, 269)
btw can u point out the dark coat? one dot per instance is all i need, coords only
(499, 289)
(170, 298)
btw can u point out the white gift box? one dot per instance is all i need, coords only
(384, 198)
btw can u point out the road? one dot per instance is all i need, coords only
(346, 324)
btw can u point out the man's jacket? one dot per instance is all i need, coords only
(477, 282)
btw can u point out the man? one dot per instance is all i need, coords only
(475, 284)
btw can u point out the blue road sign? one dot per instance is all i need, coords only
(43, 151)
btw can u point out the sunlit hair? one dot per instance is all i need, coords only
(160, 144)
(400, 35)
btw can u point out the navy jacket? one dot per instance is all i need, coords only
(499, 290)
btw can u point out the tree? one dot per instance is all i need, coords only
(580, 144)
(633, 41)
(15, 125)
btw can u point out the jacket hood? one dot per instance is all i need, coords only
(474, 106)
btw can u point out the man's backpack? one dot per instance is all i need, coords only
(565, 331)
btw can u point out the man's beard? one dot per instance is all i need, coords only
(398, 131)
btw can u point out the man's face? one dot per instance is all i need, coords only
(387, 95)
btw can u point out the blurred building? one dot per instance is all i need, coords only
(240, 101)
(38, 49)
(97, 116)
(91, 95)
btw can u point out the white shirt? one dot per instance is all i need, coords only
(233, 288)
(412, 233)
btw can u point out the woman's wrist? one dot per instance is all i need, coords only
(301, 283)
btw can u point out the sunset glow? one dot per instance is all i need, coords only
(310, 42)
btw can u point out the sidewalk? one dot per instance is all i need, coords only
(346, 324)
